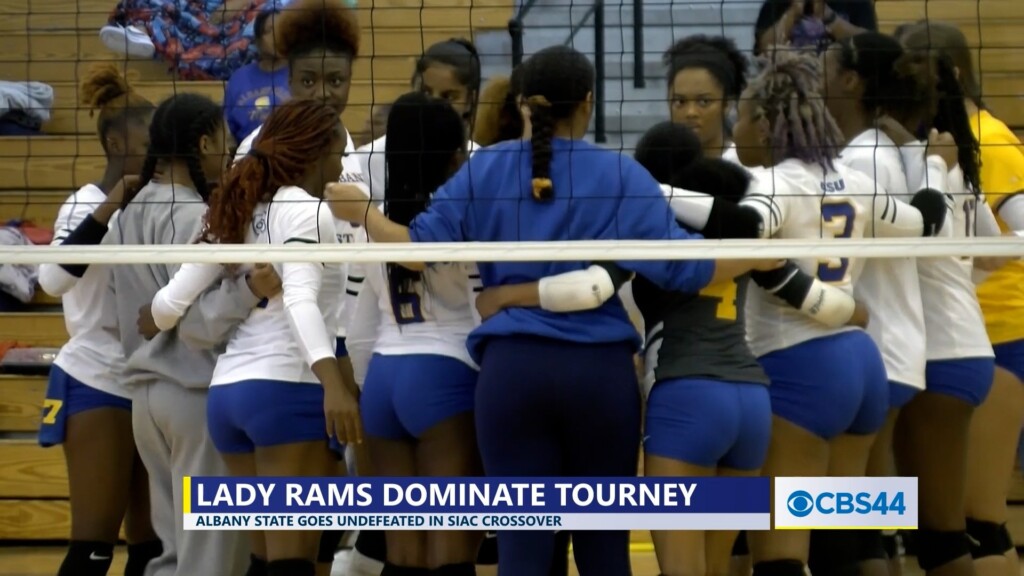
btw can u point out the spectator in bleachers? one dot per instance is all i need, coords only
(706, 76)
(254, 89)
(811, 23)
(88, 405)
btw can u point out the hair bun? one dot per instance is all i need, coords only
(103, 84)
(542, 188)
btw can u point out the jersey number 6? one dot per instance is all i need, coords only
(405, 303)
(837, 218)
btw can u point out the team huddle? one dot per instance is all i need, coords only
(843, 366)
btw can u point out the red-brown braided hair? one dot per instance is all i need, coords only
(290, 142)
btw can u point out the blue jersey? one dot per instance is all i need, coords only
(598, 195)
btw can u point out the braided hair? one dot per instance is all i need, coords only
(556, 81)
(105, 90)
(424, 135)
(786, 95)
(291, 142)
(174, 134)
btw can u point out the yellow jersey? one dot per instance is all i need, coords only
(1002, 174)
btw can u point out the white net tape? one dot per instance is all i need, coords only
(602, 250)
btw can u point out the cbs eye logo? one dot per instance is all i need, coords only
(800, 503)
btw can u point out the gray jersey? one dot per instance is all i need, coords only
(698, 335)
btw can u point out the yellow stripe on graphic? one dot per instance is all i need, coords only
(186, 494)
(846, 528)
(634, 547)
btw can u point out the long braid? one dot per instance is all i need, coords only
(195, 172)
(787, 93)
(951, 116)
(293, 139)
(543, 125)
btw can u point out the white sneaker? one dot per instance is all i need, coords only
(129, 41)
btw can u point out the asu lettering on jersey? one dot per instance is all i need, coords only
(800, 200)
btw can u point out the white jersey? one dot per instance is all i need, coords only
(93, 355)
(283, 337)
(800, 200)
(952, 315)
(889, 287)
(730, 154)
(373, 165)
(351, 274)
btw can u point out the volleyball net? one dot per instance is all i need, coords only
(49, 146)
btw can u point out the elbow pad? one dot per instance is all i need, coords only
(932, 206)
(822, 302)
(575, 291)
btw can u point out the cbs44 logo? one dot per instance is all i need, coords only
(802, 503)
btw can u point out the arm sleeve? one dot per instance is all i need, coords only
(644, 214)
(893, 218)
(1012, 212)
(923, 171)
(188, 283)
(812, 297)
(713, 217)
(363, 332)
(57, 279)
(444, 220)
(300, 281)
(987, 224)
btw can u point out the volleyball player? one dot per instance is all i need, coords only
(417, 398)
(706, 76)
(825, 382)
(188, 145)
(932, 429)
(449, 70)
(499, 117)
(576, 411)
(865, 77)
(277, 395)
(320, 40)
(87, 407)
(996, 423)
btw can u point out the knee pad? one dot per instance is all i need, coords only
(291, 567)
(936, 548)
(372, 544)
(779, 568)
(740, 547)
(465, 569)
(988, 538)
(835, 553)
(872, 546)
(329, 541)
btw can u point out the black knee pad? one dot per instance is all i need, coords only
(740, 547)
(779, 568)
(329, 541)
(872, 546)
(396, 570)
(488, 554)
(291, 567)
(835, 552)
(560, 559)
(988, 538)
(891, 545)
(465, 569)
(935, 548)
(372, 544)
(139, 556)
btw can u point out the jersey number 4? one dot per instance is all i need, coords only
(837, 218)
(725, 292)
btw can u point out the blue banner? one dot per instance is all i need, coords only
(211, 495)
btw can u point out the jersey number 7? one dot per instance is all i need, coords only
(837, 218)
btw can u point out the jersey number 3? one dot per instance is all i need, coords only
(837, 218)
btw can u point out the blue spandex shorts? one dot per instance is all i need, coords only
(65, 397)
(900, 394)
(406, 395)
(1010, 357)
(709, 423)
(968, 379)
(831, 385)
(251, 413)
